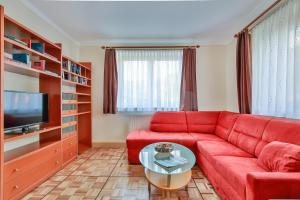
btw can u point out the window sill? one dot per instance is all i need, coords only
(136, 112)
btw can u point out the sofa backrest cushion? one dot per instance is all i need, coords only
(280, 157)
(168, 122)
(225, 123)
(202, 121)
(280, 129)
(247, 132)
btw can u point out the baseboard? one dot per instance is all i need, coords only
(109, 144)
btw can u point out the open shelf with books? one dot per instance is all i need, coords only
(26, 49)
(24, 69)
(75, 73)
(76, 103)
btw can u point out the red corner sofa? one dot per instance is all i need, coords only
(227, 146)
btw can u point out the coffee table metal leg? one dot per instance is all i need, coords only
(169, 180)
(149, 189)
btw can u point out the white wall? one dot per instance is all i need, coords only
(210, 77)
(231, 87)
(213, 69)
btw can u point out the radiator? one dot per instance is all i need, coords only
(139, 122)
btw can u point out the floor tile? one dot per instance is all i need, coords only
(197, 173)
(124, 169)
(77, 187)
(190, 194)
(134, 188)
(88, 153)
(206, 189)
(45, 188)
(104, 173)
(108, 154)
(96, 168)
(70, 168)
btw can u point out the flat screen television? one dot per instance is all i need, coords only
(24, 109)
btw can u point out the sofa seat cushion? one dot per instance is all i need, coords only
(219, 148)
(235, 169)
(205, 136)
(140, 138)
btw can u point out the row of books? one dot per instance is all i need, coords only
(35, 45)
(74, 78)
(72, 67)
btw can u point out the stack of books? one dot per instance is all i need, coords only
(171, 163)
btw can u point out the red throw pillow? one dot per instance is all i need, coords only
(280, 157)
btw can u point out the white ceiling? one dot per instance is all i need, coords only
(136, 22)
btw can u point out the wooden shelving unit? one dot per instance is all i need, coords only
(23, 151)
(20, 68)
(14, 137)
(25, 166)
(46, 148)
(77, 93)
(78, 100)
(72, 83)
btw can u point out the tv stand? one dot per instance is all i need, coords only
(25, 129)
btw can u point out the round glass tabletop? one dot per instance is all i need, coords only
(147, 158)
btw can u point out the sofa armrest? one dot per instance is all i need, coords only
(272, 185)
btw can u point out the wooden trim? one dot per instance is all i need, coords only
(109, 144)
(149, 47)
(263, 15)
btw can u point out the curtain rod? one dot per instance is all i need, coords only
(262, 15)
(149, 47)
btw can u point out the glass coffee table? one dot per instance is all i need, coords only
(164, 178)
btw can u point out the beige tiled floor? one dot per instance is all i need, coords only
(104, 174)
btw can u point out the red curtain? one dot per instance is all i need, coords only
(110, 82)
(243, 69)
(188, 90)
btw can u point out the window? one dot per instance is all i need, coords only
(149, 80)
(276, 63)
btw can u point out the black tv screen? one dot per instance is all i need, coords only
(23, 109)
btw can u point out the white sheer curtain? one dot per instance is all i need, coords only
(276, 63)
(148, 79)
